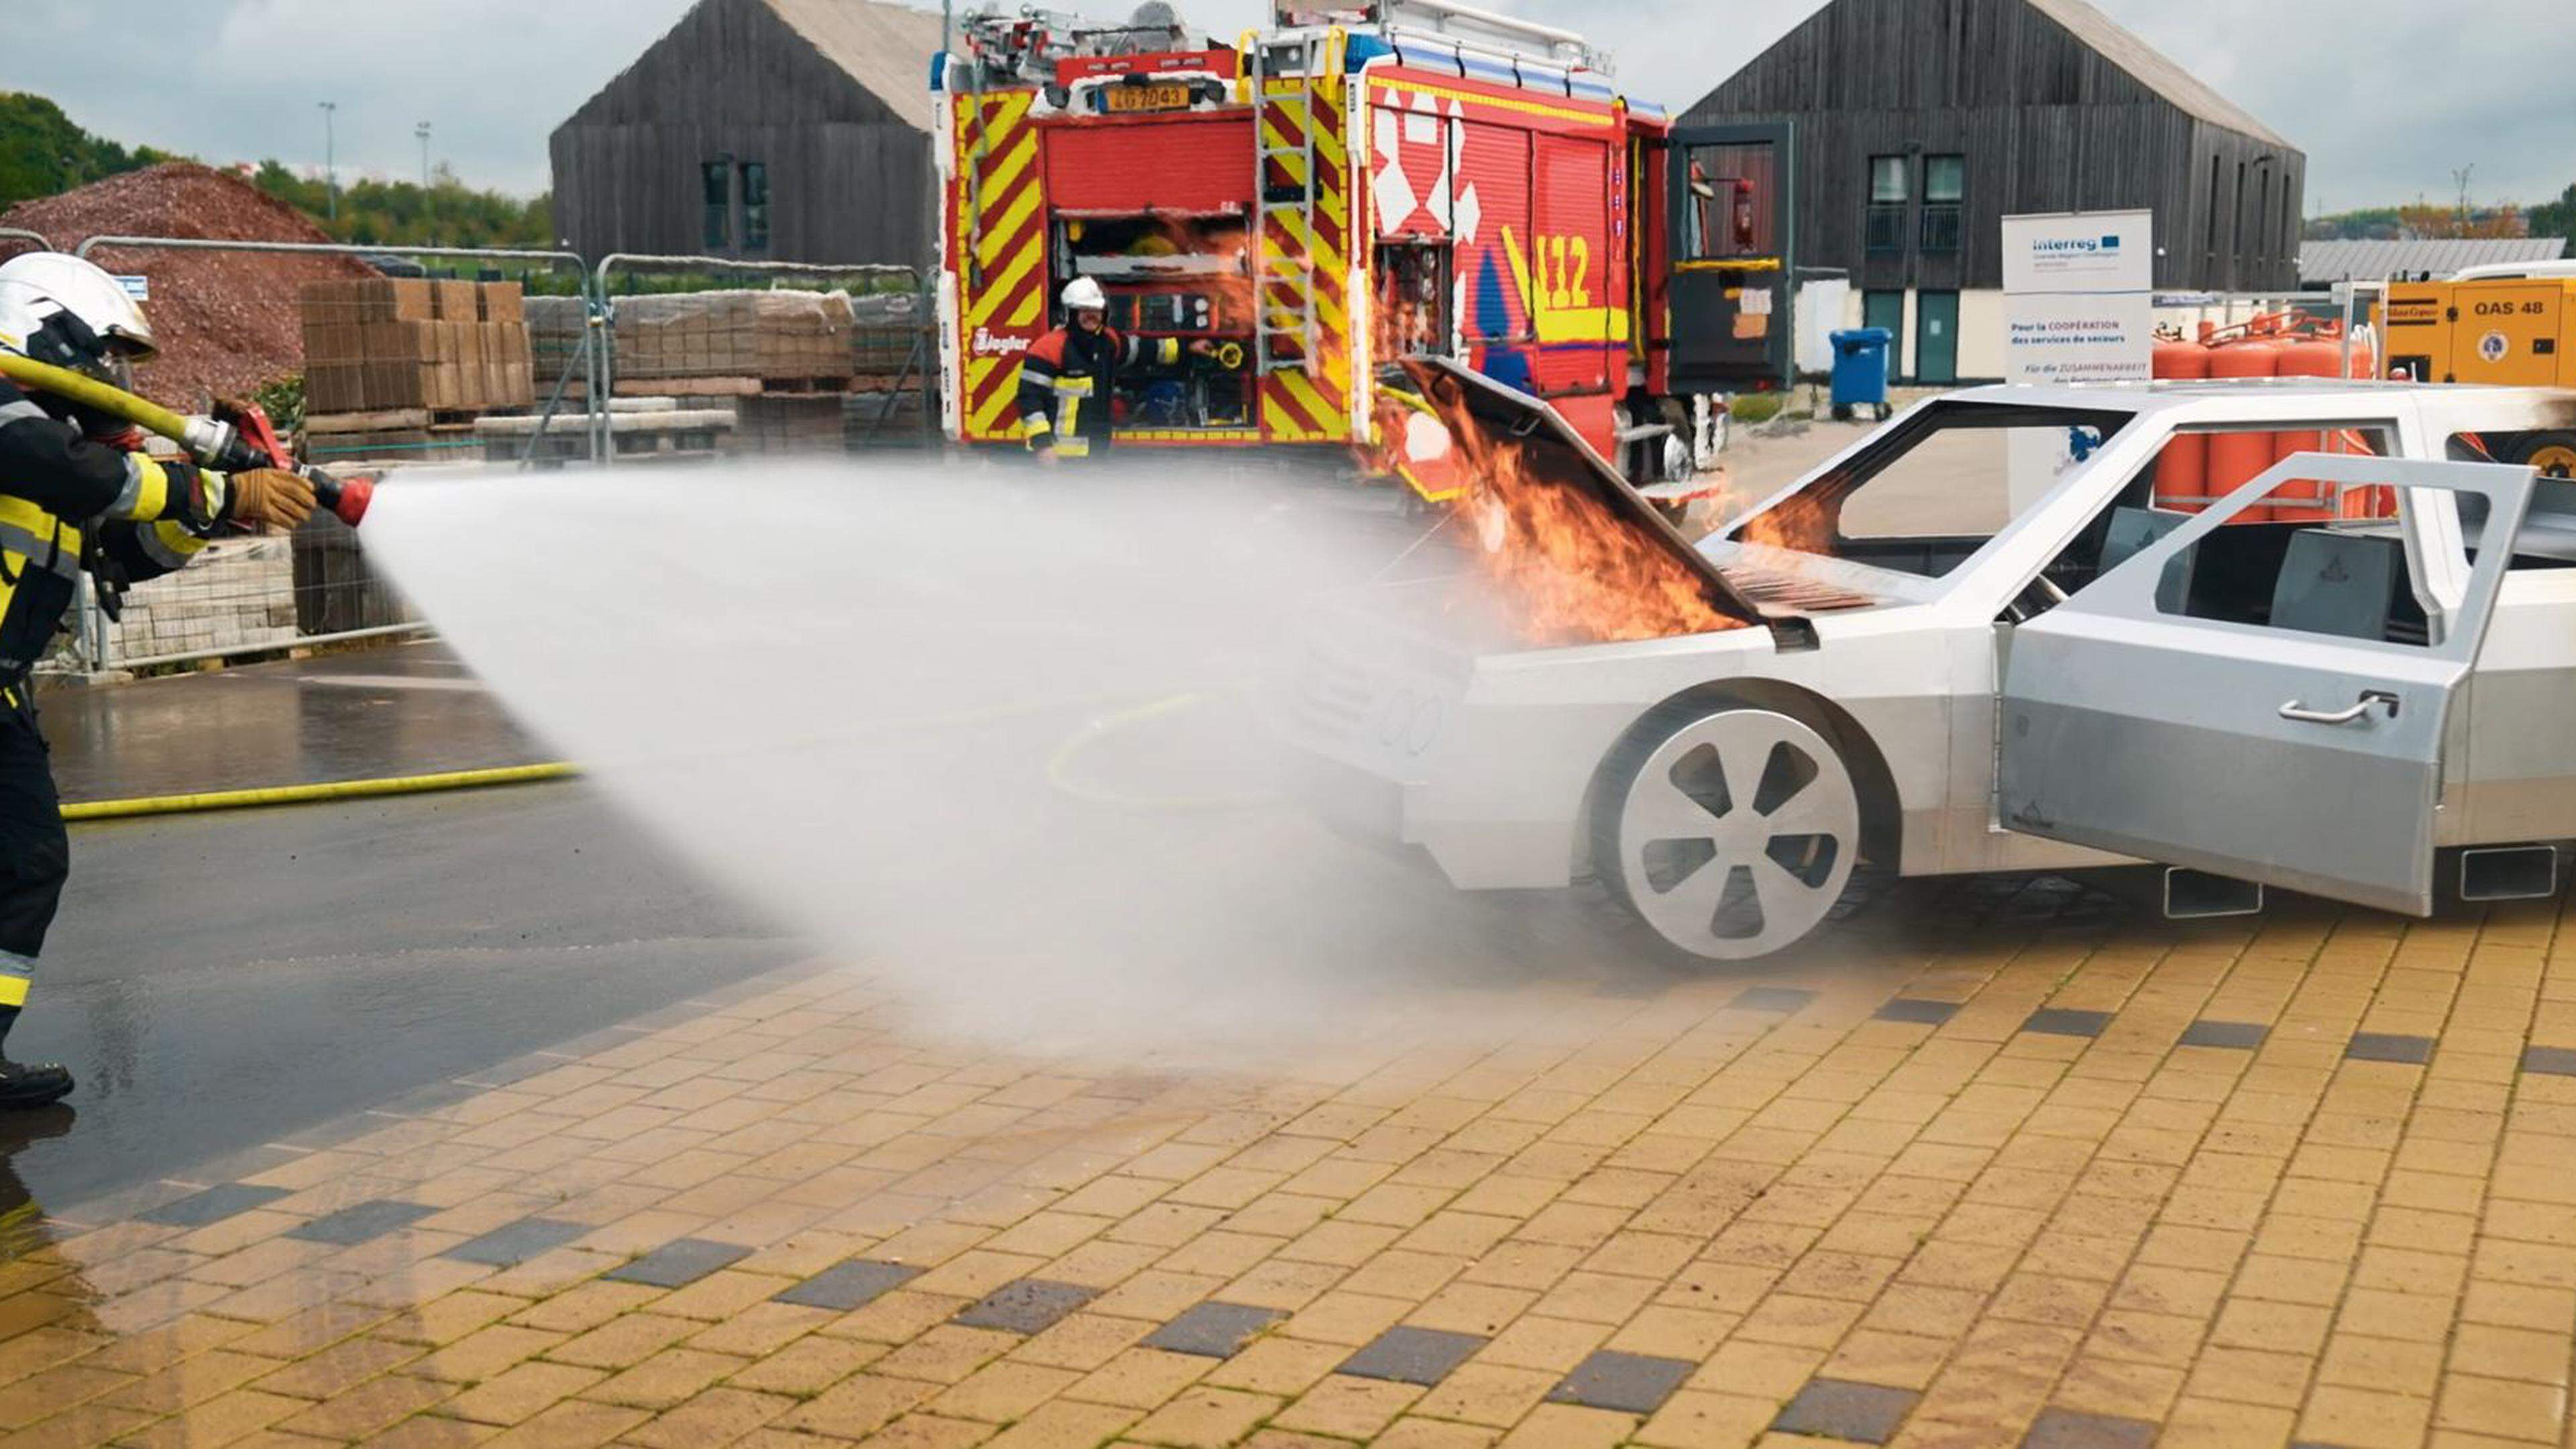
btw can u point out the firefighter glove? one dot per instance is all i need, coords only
(269, 498)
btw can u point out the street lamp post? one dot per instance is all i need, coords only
(330, 172)
(422, 131)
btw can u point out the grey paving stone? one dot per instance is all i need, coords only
(2058, 1021)
(1914, 1009)
(2245, 1035)
(1213, 1330)
(677, 1264)
(1632, 1383)
(1411, 1355)
(213, 1205)
(845, 1286)
(511, 1244)
(2551, 1061)
(2380, 1046)
(1026, 1305)
(2070, 1429)
(338, 1130)
(1772, 998)
(435, 1097)
(1841, 1409)
(516, 1069)
(361, 1222)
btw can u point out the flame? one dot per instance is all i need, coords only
(1232, 288)
(1797, 523)
(1572, 569)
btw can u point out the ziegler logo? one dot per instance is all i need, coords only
(985, 344)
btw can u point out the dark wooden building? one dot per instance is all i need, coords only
(791, 130)
(1922, 123)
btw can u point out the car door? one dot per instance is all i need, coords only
(2282, 743)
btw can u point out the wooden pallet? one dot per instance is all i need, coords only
(727, 386)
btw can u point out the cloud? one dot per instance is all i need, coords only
(2385, 96)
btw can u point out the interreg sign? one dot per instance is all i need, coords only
(2079, 301)
(2079, 307)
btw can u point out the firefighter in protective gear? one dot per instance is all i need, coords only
(77, 494)
(1068, 377)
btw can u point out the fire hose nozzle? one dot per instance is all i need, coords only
(346, 498)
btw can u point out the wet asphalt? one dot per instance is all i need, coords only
(221, 981)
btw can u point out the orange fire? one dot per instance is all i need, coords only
(1572, 569)
(1232, 288)
(1797, 523)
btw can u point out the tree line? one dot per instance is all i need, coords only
(43, 152)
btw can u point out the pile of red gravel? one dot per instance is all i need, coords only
(226, 321)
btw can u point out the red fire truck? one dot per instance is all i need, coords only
(1357, 185)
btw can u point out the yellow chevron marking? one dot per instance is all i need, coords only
(1006, 173)
(979, 377)
(1031, 309)
(1004, 284)
(1001, 231)
(1316, 407)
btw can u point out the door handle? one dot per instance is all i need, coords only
(2370, 699)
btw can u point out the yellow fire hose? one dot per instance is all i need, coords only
(317, 793)
(90, 392)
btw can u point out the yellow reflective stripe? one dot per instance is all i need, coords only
(1069, 410)
(1074, 445)
(169, 544)
(1169, 351)
(147, 489)
(13, 990)
(1072, 386)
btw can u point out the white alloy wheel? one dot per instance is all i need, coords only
(1737, 834)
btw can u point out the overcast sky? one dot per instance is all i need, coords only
(2387, 97)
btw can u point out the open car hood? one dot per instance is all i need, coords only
(1558, 455)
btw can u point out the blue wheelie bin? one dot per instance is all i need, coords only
(1860, 370)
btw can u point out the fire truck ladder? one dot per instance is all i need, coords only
(1283, 331)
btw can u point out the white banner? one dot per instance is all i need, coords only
(2079, 307)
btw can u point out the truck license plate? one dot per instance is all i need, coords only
(1149, 98)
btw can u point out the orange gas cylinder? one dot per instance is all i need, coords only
(2323, 355)
(2182, 469)
(2235, 458)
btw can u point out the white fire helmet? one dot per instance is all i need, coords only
(1084, 295)
(60, 309)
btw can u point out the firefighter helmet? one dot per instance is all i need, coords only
(63, 310)
(1084, 295)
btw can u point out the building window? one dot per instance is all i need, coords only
(716, 188)
(755, 206)
(1945, 190)
(1884, 229)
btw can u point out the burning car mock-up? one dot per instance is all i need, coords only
(2015, 629)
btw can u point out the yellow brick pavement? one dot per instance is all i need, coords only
(2047, 1176)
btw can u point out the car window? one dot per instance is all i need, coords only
(1929, 492)
(2309, 557)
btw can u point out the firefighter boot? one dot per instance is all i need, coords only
(29, 1084)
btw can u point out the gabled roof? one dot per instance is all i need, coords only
(886, 48)
(2150, 68)
(2370, 260)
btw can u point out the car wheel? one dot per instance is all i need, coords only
(1731, 832)
(2553, 454)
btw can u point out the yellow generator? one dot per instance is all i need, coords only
(2510, 325)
